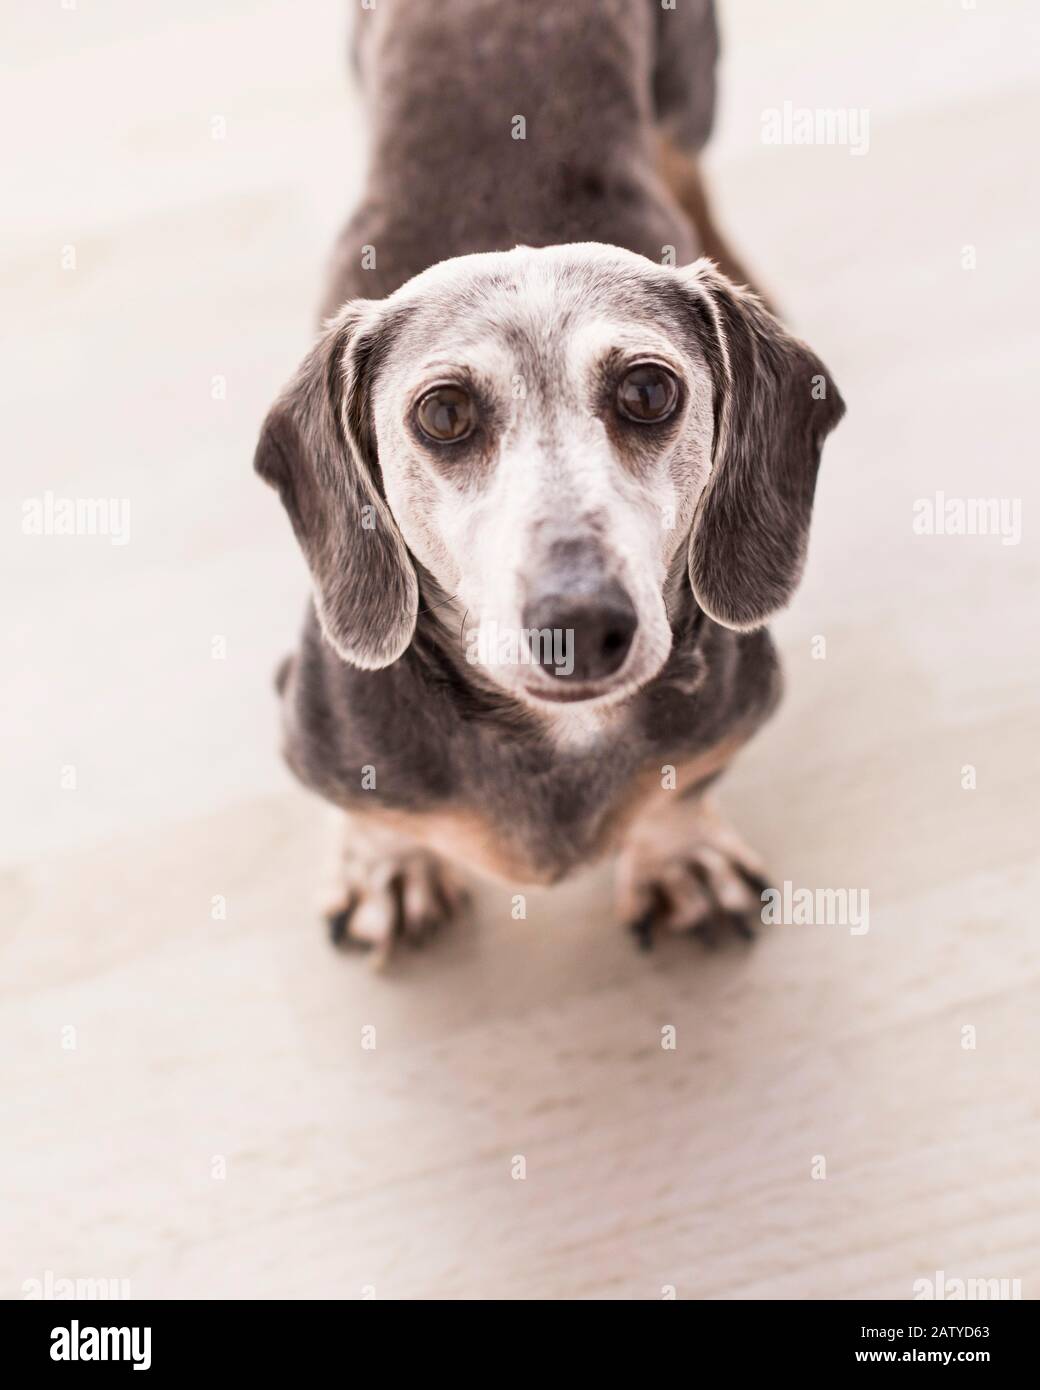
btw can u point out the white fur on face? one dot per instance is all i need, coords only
(537, 342)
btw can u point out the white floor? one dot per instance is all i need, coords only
(201, 1046)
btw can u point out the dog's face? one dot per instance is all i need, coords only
(543, 432)
(550, 434)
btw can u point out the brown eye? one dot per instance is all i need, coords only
(647, 394)
(446, 414)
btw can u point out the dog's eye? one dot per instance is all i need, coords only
(446, 414)
(647, 394)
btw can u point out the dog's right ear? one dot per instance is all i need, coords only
(317, 447)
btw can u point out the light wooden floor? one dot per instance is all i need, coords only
(233, 1045)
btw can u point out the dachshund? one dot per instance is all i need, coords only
(552, 470)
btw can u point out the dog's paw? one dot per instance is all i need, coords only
(385, 897)
(709, 887)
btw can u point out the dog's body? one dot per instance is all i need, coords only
(429, 752)
(597, 83)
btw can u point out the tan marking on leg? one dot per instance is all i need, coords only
(648, 790)
(467, 838)
(684, 864)
(386, 884)
(682, 175)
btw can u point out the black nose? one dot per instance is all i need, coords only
(581, 638)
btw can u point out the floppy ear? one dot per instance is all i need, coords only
(774, 405)
(317, 447)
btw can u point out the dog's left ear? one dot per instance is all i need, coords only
(775, 403)
(318, 448)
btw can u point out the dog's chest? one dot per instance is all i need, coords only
(524, 824)
(507, 799)
(533, 821)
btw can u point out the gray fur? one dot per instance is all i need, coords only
(317, 451)
(438, 738)
(593, 79)
(388, 686)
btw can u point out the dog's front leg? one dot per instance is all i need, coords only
(683, 868)
(387, 888)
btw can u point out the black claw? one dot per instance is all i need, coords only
(714, 929)
(418, 935)
(755, 882)
(447, 911)
(707, 932)
(643, 929)
(397, 893)
(338, 923)
(722, 920)
(339, 929)
(738, 922)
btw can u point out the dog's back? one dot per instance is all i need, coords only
(498, 123)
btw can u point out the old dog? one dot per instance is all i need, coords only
(551, 468)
